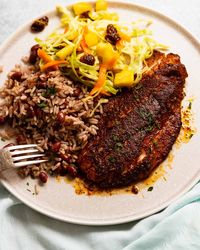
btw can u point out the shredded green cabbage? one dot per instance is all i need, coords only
(133, 53)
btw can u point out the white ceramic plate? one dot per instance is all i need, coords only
(58, 200)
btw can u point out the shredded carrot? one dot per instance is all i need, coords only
(66, 29)
(111, 63)
(83, 43)
(53, 63)
(44, 56)
(120, 44)
(85, 30)
(79, 49)
(124, 36)
(104, 92)
(85, 47)
(98, 87)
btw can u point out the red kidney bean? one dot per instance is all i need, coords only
(21, 139)
(30, 113)
(63, 170)
(65, 157)
(72, 170)
(16, 76)
(61, 117)
(55, 147)
(42, 77)
(43, 177)
(2, 120)
(41, 85)
(38, 112)
(76, 92)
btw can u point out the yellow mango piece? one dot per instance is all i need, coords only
(107, 53)
(80, 8)
(91, 38)
(64, 52)
(124, 78)
(101, 5)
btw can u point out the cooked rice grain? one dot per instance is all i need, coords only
(33, 113)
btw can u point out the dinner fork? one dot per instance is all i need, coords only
(18, 156)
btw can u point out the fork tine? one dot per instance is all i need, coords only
(21, 146)
(26, 163)
(20, 152)
(24, 157)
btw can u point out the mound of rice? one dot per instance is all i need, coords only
(52, 111)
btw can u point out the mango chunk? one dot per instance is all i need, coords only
(124, 78)
(107, 53)
(101, 5)
(91, 38)
(80, 8)
(64, 52)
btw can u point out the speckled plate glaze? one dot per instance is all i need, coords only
(59, 200)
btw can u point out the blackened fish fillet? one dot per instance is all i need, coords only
(138, 127)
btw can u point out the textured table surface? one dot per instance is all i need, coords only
(14, 13)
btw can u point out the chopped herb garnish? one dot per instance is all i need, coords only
(112, 159)
(150, 189)
(116, 138)
(190, 105)
(138, 86)
(49, 91)
(155, 143)
(28, 190)
(27, 183)
(158, 125)
(191, 136)
(42, 105)
(149, 150)
(149, 128)
(148, 117)
(135, 96)
(118, 146)
(2, 139)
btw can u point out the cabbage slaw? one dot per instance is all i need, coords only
(132, 52)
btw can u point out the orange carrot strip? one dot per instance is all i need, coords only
(101, 80)
(85, 30)
(44, 56)
(85, 47)
(66, 29)
(120, 44)
(52, 64)
(124, 36)
(104, 92)
(79, 49)
(111, 63)
(83, 43)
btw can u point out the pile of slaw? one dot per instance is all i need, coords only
(135, 46)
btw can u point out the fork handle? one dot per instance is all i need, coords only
(5, 160)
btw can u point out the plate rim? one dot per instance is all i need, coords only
(99, 222)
